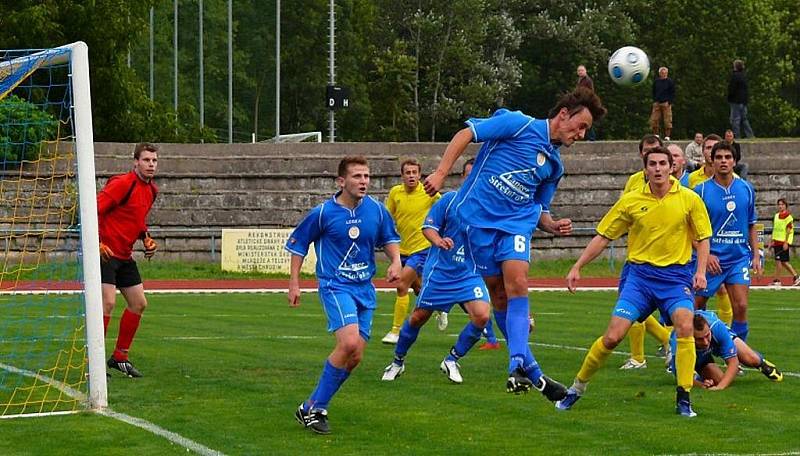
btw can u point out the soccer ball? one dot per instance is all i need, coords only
(628, 66)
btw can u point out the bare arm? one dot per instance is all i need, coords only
(435, 239)
(731, 370)
(595, 248)
(703, 247)
(294, 280)
(392, 252)
(560, 227)
(455, 148)
(758, 268)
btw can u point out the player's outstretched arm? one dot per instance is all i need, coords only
(455, 148)
(294, 280)
(392, 252)
(433, 237)
(731, 370)
(595, 248)
(560, 227)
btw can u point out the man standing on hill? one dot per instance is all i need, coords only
(663, 98)
(122, 208)
(737, 99)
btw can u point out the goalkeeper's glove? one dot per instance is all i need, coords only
(150, 246)
(105, 252)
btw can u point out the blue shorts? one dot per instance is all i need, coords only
(346, 304)
(415, 261)
(489, 248)
(733, 274)
(649, 288)
(443, 296)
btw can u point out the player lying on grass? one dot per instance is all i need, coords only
(713, 338)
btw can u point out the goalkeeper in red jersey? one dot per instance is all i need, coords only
(122, 208)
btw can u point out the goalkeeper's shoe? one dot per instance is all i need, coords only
(518, 382)
(126, 367)
(569, 400)
(683, 405)
(770, 371)
(316, 420)
(550, 388)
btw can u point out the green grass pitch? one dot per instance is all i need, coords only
(227, 371)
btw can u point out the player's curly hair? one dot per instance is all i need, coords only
(723, 145)
(575, 101)
(350, 160)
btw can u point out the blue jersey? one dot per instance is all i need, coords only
(732, 211)
(721, 345)
(446, 266)
(344, 239)
(515, 175)
(684, 179)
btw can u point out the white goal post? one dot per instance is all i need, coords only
(72, 123)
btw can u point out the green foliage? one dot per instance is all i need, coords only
(416, 70)
(23, 129)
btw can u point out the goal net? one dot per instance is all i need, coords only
(51, 332)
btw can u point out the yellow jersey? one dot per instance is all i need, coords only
(698, 176)
(660, 231)
(408, 211)
(635, 182)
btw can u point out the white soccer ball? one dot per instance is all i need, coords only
(628, 66)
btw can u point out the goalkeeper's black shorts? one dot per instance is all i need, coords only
(122, 273)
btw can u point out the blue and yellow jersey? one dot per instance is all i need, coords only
(732, 211)
(660, 231)
(684, 179)
(344, 239)
(697, 176)
(515, 175)
(408, 211)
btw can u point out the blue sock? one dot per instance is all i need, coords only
(488, 331)
(500, 319)
(532, 369)
(469, 335)
(408, 335)
(329, 382)
(517, 325)
(741, 328)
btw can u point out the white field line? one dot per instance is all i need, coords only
(177, 439)
(313, 290)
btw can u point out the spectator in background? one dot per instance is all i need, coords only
(663, 97)
(694, 153)
(741, 167)
(585, 81)
(737, 99)
(782, 238)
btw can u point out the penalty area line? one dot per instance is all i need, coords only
(173, 437)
